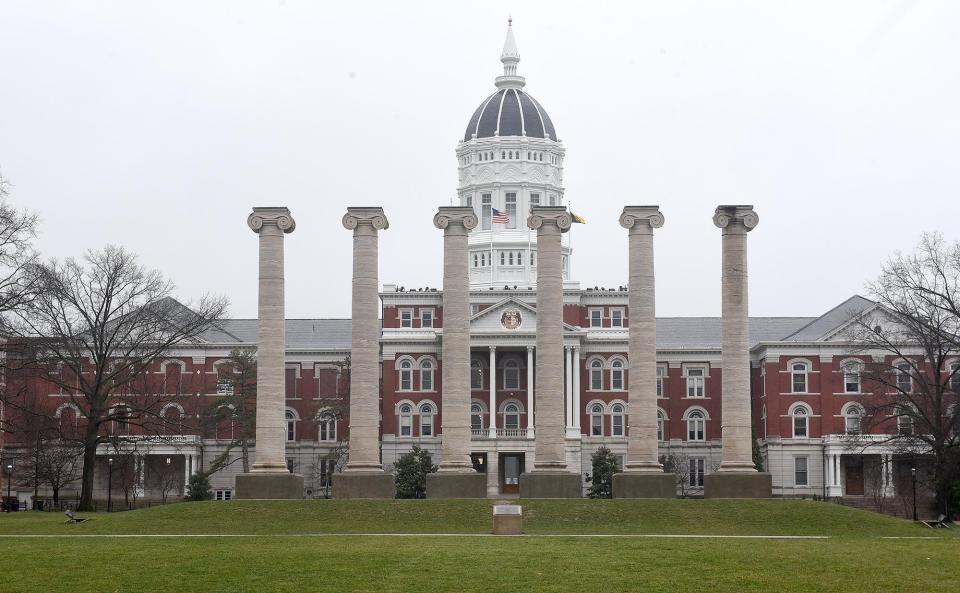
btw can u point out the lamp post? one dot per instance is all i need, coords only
(913, 475)
(110, 484)
(9, 482)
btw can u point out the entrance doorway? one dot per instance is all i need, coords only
(511, 466)
(853, 472)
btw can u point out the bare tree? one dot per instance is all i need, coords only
(910, 373)
(169, 482)
(678, 464)
(92, 331)
(236, 405)
(18, 229)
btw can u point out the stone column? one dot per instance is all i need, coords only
(568, 389)
(269, 477)
(456, 477)
(493, 393)
(549, 478)
(364, 476)
(530, 366)
(643, 475)
(737, 476)
(576, 391)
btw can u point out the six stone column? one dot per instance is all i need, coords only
(549, 478)
(643, 475)
(456, 477)
(737, 476)
(364, 476)
(269, 476)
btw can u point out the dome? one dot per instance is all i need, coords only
(510, 112)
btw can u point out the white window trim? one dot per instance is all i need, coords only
(400, 370)
(433, 317)
(623, 317)
(590, 312)
(686, 379)
(400, 313)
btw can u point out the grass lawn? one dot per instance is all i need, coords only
(282, 552)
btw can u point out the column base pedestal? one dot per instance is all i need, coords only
(644, 485)
(456, 485)
(737, 485)
(550, 485)
(364, 485)
(267, 486)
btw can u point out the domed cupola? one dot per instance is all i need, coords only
(510, 111)
(510, 160)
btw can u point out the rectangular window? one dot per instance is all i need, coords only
(904, 378)
(596, 317)
(851, 379)
(474, 308)
(800, 426)
(616, 317)
(405, 425)
(406, 317)
(327, 467)
(290, 466)
(661, 377)
(470, 200)
(695, 383)
(511, 377)
(697, 465)
(955, 377)
(596, 425)
(426, 317)
(800, 471)
(799, 378)
(225, 494)
(486, 211)
(511, 210)
(534, 200)
(617, 426)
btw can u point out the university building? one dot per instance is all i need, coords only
(803, 379)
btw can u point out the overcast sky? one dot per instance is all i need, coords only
(158, 126)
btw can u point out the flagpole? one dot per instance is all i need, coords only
(570, 243)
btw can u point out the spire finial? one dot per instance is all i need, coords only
(510, 58)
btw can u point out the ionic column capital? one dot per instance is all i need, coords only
(550, 215)
(373, 217)
(271, 216)
(634, 216)
(448, 216)
(743, 214)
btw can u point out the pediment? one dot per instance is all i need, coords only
(508, 316)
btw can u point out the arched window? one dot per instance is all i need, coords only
(327, 429)
(696, 426)
(406, 420)
(503, 260)
(799, 379)
(763, 419)
(483, 260)
(596, 420)
(291, 425)
(616, 420)
(596, 375)
(511, 416)
(172, 417)
(228, 412)
(511, 374)
(904, 377)
(476, 417)
(121, 420)
(426, 375)
(801, 422)
(476, 374)
(616, 375)
(503, 154)
(661, 427)
(68, 416)
(475, 260)
(426, 420)
(851, 419)
(851, 377)
(406, 375)
(511, 206)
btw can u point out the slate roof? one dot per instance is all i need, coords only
(830, 321)
(510, 112)
(704, 332)
(305, 334)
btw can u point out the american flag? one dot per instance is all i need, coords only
(500, 217)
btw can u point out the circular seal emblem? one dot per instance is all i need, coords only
(511, 319)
